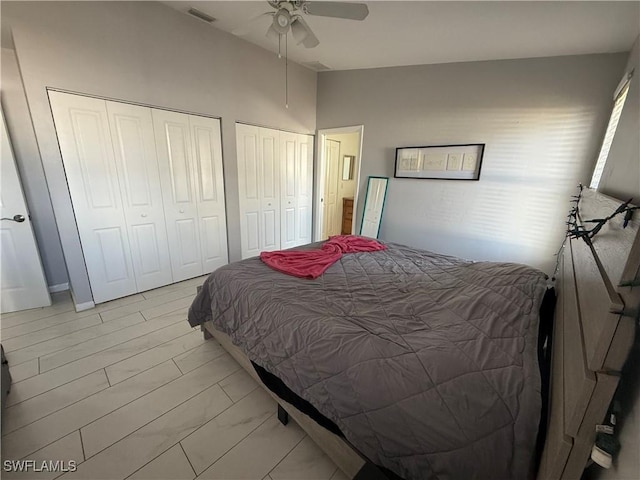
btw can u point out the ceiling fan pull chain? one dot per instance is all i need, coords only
(286, 72)
(279, 45)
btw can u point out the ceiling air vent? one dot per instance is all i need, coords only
(200, 15)
(317, 66)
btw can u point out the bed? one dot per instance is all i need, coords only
(428, 366)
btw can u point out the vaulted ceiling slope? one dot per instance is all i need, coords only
(424, 32)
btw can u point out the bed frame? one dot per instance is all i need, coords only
(595, 322)
(598, 287)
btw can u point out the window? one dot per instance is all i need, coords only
(621, 96)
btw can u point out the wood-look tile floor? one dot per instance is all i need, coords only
(129, 390)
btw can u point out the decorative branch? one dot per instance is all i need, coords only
(575, 230)
(572, 228)
(579, 231)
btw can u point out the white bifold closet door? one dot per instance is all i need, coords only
(82, 125)
(147, 192)
(206, 138)
(190, 158)
(275, 183)
(296, 185)
(259, 189)
(135, 155)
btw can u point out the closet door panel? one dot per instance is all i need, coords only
(177, 179)
(176, 137)
(289, 166)
(248, 160)
(253, 233)
(214, 251)
(113, 254)
(270, 238)
(83, 133)
(289, 221)
(269, 189)
(304, 194)
(187, 249)
(136, 160)
(147, 254)
(207, 147)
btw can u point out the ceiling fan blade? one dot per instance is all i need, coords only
(247, 27)
(302, 33)
(272, 33)
(350, 11)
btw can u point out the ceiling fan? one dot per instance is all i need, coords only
(288, 17)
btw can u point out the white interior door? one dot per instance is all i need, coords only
(83, 132)
(22, 281)
(135, 154)
(374, 203)
(247, 141)
(258, 188)
(289, 172)
(207, 148)
(177, 178)
(304, 181)
(269, 188)
(331, 219)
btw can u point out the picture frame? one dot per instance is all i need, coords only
(440, 162)
(348, 162)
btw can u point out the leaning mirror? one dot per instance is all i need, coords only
(373, 206)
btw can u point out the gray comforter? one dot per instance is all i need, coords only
(426, 362)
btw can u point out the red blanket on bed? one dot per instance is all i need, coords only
(313, 263)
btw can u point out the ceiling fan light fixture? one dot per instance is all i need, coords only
(299, 31)
(282, 21)
(273, 34)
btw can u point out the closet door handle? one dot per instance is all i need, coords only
(143, 215)
(181, 211)
(16, 218)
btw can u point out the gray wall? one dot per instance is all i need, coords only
(541, 120)
(621, 175)
(621, 178)
(30, 168)
(147, 53)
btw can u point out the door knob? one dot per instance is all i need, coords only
(181, 211)
(143, 215)
(16, 218)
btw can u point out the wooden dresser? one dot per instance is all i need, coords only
(347, 215)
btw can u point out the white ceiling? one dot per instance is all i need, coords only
(424, 32)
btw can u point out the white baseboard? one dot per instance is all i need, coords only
(84, 306)
(61, 287)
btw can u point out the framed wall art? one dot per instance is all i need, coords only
(442, 162)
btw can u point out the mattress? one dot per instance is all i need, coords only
(426, 363)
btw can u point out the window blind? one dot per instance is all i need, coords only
(609, 134)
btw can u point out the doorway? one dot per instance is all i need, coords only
(337, 181)
(22, 281)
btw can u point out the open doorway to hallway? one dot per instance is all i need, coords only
(337, 180)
